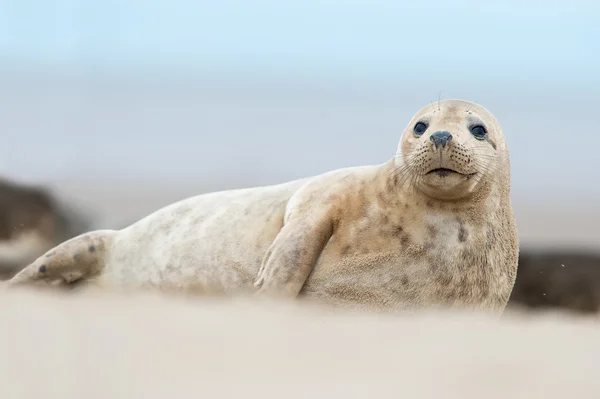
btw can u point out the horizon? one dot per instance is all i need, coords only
(187, 96)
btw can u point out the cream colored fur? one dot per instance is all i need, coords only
(387, 237)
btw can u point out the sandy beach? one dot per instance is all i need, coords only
(147, 346)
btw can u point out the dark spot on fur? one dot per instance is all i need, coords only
(91, 248)
(399, 230)
(484, 288)
(451, 295)
(431, 230)
(404, 280)
(345, 250)
(464, 290)
(429, 203)
(491, 237)
(76, 257)
(444, 278)
(42, 269)
(462, 233)
(295, 255)
(405, 239)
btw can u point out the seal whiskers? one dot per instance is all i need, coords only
(431, 226)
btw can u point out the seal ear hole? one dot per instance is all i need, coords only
(478, 131)
(420, 128)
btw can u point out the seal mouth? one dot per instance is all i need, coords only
(442, 172)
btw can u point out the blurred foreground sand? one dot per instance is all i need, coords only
(147, 346)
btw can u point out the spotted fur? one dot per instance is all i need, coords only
(393, 236)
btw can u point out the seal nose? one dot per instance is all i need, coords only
(440, 139)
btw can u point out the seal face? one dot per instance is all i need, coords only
(446, 151)
(432, 226)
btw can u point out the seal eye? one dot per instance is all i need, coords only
(420, 128)
(478, 131)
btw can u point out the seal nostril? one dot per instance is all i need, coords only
(440, 138)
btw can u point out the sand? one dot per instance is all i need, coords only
(147, 346)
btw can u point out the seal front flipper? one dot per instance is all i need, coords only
(293, 255)
(75, 259)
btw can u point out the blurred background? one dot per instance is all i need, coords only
(111, 109)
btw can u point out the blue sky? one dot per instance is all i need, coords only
(524, 41)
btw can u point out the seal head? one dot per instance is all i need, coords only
(449, 149)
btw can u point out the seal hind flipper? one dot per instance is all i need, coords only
(75, 259)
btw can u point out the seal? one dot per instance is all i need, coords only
(433, 226)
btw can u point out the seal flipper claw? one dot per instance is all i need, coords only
(259, 282)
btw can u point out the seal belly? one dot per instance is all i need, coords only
(377, 280)
(428, 262)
